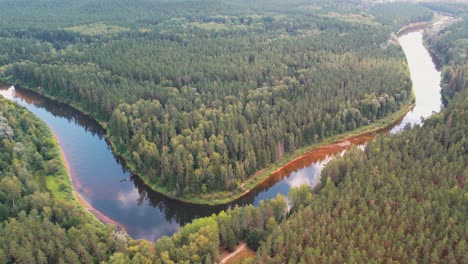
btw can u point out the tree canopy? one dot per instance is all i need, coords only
(198, 96)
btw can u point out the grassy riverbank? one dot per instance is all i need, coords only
(59, 183)
(55, 178)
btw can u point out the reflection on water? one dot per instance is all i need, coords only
(105, 183)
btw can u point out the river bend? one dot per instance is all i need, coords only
(103, 181)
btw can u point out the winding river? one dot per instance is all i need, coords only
(116, 195)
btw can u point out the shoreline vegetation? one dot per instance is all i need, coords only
(252, 182)
(62, 192)
(64, 170)
(225, 197)
(81, 201)
(265, 174)
(44, 221)
(60, 183)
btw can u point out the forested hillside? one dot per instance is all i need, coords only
(197, 96)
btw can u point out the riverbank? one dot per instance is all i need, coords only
(413, 27)
(62, 185)
(85, 205)
(264, 175)
(225, 197)
(59, 183)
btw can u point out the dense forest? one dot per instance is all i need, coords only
(198, 96)
(40, 222)
(450, 48)
(401, 199)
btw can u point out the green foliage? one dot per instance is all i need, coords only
(404, 202)
(200, 101)
(36, 224)
(450, 47)
(300, 196)
(194, 242)
(400, 14)
(254, 237)
(200, 241)
(199, 95)
(40, 222)
(97, 29)
(455, 8)
(403, 199)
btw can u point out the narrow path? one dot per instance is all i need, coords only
(238, 249)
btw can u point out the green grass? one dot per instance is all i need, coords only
(59, 184)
